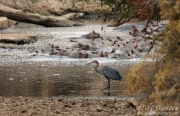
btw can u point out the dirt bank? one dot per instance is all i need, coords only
(5, 23)
(28, 106)
(51, 8)
(56, 7)
(12, 40)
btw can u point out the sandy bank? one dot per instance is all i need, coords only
(5, 23)
(27, 106)
(7, 40)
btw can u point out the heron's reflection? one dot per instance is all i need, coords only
(106, 92)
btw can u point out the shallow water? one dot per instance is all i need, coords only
(57, 78)
(45, 36)
(47, 77)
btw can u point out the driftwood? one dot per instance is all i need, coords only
(48, 21)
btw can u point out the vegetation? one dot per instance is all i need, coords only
(120, 9)
(130, 9)
(34, 1)
(45, 13)
(160, 79)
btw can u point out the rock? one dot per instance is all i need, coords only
(58, 112)
(23, 111)
(59, 100)
(73, 103)
(99, 110)
(92, 35)
(66, 105)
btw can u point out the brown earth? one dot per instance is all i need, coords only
(31, 106)
(5, 23)
(56, 7)
(12, 40)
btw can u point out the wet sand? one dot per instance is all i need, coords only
(60, 106)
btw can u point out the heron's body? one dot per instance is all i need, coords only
(108, 72)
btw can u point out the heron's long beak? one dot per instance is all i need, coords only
(89, 63)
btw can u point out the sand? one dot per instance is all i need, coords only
(13, 40)
(5, 23)
(61, 106)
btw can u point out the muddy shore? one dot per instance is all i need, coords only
(60, 106)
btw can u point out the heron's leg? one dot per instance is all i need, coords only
(105, 88)
(108, 85)
(108, 93)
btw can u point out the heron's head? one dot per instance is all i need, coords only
(94, 61)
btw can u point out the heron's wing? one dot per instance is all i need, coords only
(111, 73)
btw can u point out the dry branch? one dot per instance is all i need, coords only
(48, 21)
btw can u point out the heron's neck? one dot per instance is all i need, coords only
(96, 67)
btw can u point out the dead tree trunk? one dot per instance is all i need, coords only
(48, 21)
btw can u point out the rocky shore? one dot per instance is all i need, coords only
(28, 106)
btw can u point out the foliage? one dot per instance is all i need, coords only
(71, 18)
(107, 11)
(136, 83)
(171, 41)
(160, 79)
(145, 9)
(119, 8)
(45, 13)
(128, 9)
(34, 1)
(75, 1)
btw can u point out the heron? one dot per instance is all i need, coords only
(108, 72)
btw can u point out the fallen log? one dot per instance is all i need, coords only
(47, 21)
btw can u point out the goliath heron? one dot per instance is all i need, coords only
(108, 72)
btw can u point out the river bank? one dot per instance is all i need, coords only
(6, 23)
(27, 106)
